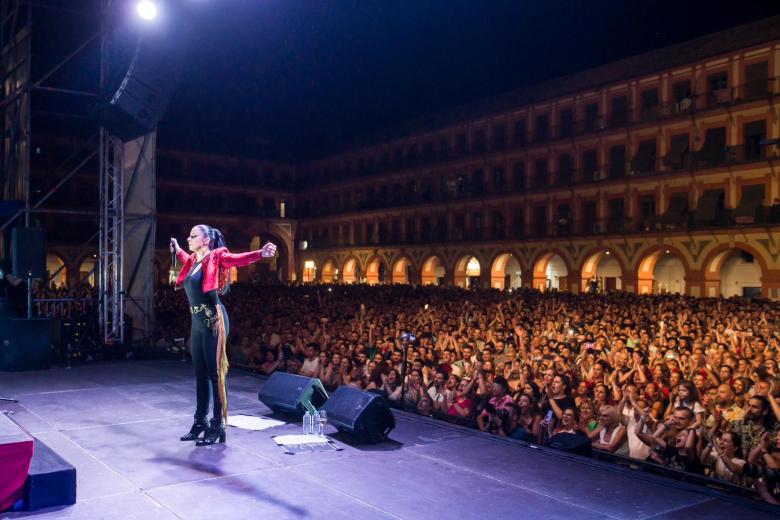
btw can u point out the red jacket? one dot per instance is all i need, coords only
(216, 266)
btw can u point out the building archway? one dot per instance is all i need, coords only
(309, 271)
(376, 271)
(433, 271)
(56, 270)
(402, 270)
(551, 272)
(734, 271)
(467, 272)
(351, 270)
(603, 268)
(506, 272)
(268, 269)
(662, 270)
(329, 272)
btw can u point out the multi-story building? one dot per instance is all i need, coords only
(656, 172)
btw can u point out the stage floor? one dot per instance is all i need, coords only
(119, 424)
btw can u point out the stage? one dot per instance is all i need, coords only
(119, 424)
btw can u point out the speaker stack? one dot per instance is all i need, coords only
(145, 66)
(25, 344)
(28, 246)
(363, 415)
(288, 393)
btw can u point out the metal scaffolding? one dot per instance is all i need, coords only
(112, 221)
(126, 173)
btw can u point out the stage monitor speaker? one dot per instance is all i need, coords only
(27, 346)
(572, 443)
(145, 66)
(28, 246)
(288, 393)
(364, 415)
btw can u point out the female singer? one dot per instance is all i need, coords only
(205, 275)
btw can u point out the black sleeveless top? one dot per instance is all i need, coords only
(193, 286)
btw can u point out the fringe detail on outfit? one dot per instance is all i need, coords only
(222, 360)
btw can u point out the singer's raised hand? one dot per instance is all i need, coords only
(268, 250)
(174, 245)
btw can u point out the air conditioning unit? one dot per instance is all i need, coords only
(599, 175)
(683, 106)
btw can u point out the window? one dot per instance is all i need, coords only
(480, 143)
(681, 91)
(591, 117)
(441, 228)
(754, 133)
(460, 224)
(461, 143)
(540, 172)
(540, 221)
(444, 147)
(617, 161)
(649, 103)
(478, 182)
(616, 214)
(542, 128)
(477, 230)
(518, 221)
(425, 229)
(498, 225)
(520, 135)
(619, 111)
(679, 151)
(757, 84)
(647, 207)
(718, 89)
(519, 176)
(590, 164)
(499, 137)
(564, 169)
(498, 179)
(644, 160)
(588, 216)
(566, 123)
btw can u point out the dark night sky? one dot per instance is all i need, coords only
(294, 79)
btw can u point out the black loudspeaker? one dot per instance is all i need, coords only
(28, 247)
(572, 443)
(145, 66)
(286, 393)
(364, 415)
(27, 345)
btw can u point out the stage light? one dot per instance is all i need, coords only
(146, 9)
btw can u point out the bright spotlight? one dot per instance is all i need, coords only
(146, 9)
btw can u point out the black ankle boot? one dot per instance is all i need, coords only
(216, 432)
(199, 426)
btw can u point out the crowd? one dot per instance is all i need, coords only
(687, 383)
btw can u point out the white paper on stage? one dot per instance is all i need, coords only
(250, 422)
(300, 439)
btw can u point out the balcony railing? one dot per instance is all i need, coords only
(568, 228)
(684, 107)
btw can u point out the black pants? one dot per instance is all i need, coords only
(203, 348)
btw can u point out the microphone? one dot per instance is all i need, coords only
(174, 258)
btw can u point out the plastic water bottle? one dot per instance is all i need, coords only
(317, 424)
(307, 423)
